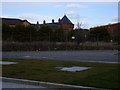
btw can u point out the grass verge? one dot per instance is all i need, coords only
(101, 75)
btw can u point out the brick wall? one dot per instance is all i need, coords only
(68, 27)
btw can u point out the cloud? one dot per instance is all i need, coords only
(72, 15)
(70, 12)
(58, 5)
(76, 6)
(70, 5)
(25, 5)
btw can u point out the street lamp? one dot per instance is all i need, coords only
(73, 37)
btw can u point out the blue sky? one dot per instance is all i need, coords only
(89, 14)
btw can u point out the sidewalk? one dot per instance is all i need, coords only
(21, 83)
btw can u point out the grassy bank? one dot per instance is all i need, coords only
(101, 75)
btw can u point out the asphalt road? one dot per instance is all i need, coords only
(89, 55)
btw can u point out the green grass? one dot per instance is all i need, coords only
(101, 75)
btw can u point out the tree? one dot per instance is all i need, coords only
(31, 33)
(100, 34)
(44, 33)
(6, 32)
(20, 33)
(58, 35)
(79, 25)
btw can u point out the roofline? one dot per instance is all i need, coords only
(16, 19)
(12, 18)
(107, 25)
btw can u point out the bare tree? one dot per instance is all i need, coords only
(79, 25)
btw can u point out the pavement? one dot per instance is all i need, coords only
(14, 84)
(6, 85)
(18, 85)
(107, 56)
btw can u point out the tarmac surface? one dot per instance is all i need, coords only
(84, 55)
(21, 84)
(18, 85)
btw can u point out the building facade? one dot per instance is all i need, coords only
(114, 30)
(13, 22)
(63, 23)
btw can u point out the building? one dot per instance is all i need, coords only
(112, 27)
(13, 22)
(64, 23)
(114, 30)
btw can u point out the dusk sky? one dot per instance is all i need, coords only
(90, 14)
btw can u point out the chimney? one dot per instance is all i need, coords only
(37, 23)
(59, 20)
(44, 22)
(52, 20)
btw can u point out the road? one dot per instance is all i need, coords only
(87, 55)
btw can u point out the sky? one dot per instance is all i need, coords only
(88, 14)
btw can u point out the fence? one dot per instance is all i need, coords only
(45, 46)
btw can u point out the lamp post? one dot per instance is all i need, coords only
(73, 37)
